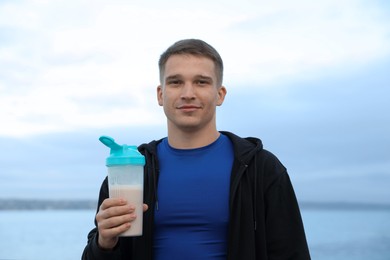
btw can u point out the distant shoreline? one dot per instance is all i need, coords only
(343, 206)
(40, 204)
(62, 204)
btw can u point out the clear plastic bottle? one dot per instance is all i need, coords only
(125, 167)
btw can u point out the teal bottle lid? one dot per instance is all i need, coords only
(122, 154)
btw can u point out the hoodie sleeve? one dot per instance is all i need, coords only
(285, 233)
(92, 251)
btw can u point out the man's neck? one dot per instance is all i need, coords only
(191, 139)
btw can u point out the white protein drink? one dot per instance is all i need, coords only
(134, 196)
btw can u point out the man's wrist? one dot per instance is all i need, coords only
(105, 247)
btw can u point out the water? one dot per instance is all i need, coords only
(56, 234)
(332, 234)
(348, 234)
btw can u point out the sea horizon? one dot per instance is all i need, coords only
(74, 204)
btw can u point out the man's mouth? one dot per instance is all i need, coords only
(188, 108)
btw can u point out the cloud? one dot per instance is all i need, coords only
(70, 65)
(302, 39)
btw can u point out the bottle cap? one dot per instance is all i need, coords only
(122, 154)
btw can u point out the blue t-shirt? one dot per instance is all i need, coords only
(193, 195)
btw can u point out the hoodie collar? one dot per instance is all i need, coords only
(244, 148)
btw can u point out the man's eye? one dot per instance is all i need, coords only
(174, 82)
(202, 82)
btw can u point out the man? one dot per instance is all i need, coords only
(207, 194)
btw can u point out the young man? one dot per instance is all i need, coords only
(207, 194)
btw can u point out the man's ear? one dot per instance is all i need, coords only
(160, 95)
(221, 95)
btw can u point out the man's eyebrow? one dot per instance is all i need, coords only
(176, 76)
(204, 77)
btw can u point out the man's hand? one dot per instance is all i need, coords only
(114, 217)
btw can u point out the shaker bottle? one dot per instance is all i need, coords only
(125, 167)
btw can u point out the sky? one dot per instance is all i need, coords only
(309, 78)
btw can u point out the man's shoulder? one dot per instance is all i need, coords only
(244, 143)
(150, 147)
(251, 146)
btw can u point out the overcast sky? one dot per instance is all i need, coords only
(310, 78)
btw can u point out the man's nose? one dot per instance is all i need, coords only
(188, 91)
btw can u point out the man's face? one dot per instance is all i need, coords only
(189, 93)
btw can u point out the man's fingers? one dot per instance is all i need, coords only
(114, 231)
(112, 202)
(114, 222)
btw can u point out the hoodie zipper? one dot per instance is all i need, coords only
(240, 172)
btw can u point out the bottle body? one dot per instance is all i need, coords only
(127, 181)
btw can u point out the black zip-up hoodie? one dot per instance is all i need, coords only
(264, 222)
